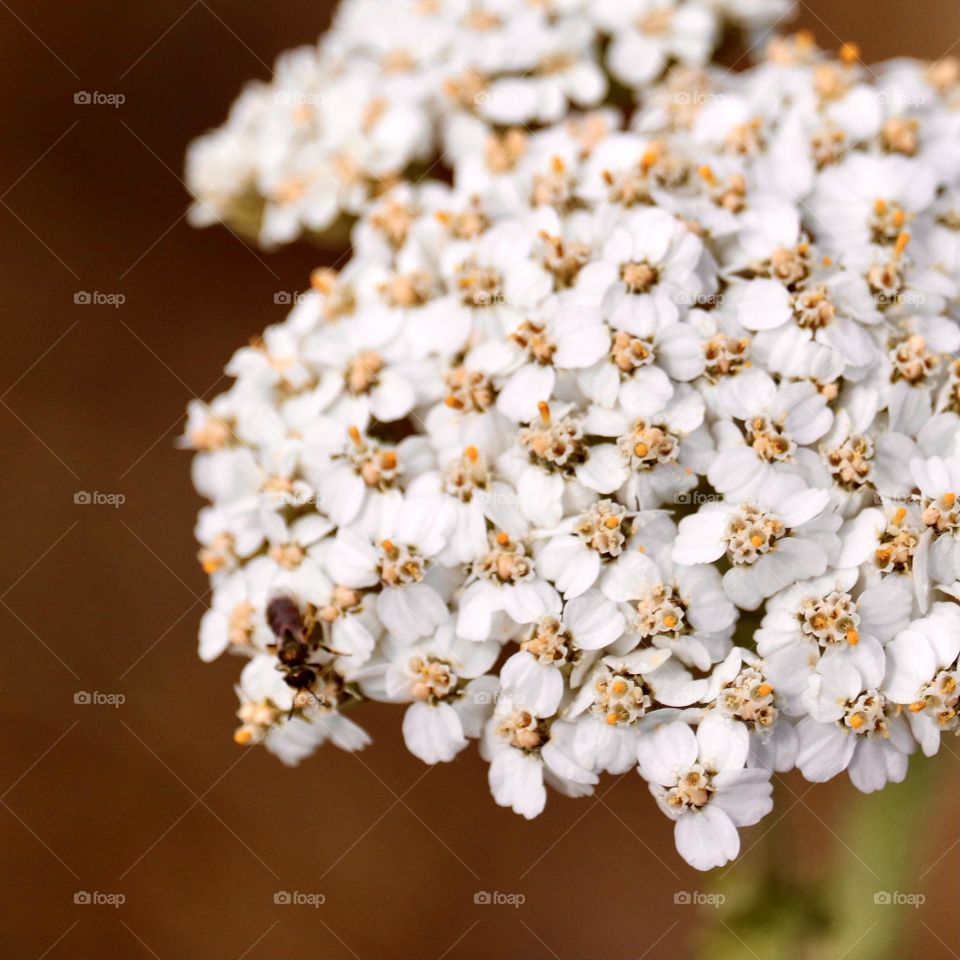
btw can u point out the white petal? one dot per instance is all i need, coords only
(875, 764)
(825, 750)
(745, 795)
(706, 838)
(411, 612)
(393, 398)
(594, 621)
(701, 538)
(516, 781)
(646, 393)
(763, 305)
(667, 753)
(604, 470)
(534, 686)
(723, 744)
(540, 496)
(571, 565)
(911, 664)
(529, 386)
(433, 733)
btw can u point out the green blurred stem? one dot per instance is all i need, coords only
(875, 847)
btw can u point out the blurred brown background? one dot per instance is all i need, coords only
(151, 799)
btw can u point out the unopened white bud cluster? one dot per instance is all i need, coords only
(636, 446)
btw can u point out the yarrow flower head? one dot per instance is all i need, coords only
(623, 445)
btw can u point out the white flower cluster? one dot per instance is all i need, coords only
(636, 447)
(406, 84)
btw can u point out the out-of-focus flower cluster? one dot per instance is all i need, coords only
(635, 447)
(412, 85)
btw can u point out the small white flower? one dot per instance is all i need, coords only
(700, 781)
(618, 700)
(505, 583)
(450, 699)
(740, 690)
(824, 618)
(525, 751)
(265, 705)
(922, 674)
(939, 482)
(785, 534)
(777, 426)
(534, 675)
(235, 619)
(868, 199)
(852, 726)
(649, 33)
(407, 604)
(645, 273)
(682, 609)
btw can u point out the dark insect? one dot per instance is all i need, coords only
(284, 619)
(301, 678)
(293, 645)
